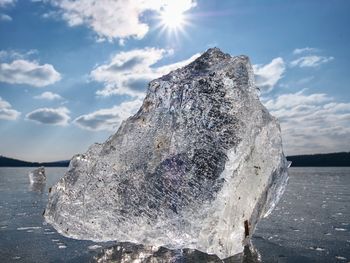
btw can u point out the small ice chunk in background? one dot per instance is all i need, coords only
(37, 176)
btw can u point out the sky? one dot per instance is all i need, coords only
(71, 71)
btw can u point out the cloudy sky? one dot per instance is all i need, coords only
(70, 71)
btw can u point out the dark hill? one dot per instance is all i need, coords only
(10, 162)
(321, 160)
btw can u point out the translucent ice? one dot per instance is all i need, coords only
(37, 176)
(196, 167)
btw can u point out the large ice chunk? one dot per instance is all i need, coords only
(197, 167)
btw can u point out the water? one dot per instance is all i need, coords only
(310, 224)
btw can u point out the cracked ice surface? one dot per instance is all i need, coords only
(197, 166)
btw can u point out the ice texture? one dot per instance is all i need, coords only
(196, 167)
(37, 176)
(128, 252)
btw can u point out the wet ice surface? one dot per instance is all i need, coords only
(24, 237)
(310, 224)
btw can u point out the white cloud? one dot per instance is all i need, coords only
(299, 51)
(6, 111)
(287, 101)
(114, 18)
(6, 2)
(6, 55)
(108, 119)
(129, 72)
(48, 95)
(22, 71)
(52, 116)
(6, 18)
(310, 61)
(267, 76)
(311, 122)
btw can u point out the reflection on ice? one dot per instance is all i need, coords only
(37, 187)
(129, 252)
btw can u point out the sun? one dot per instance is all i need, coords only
(172, 19)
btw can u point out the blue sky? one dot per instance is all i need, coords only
(71, 71)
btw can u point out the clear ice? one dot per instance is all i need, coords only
(196, 167)
(37, 176)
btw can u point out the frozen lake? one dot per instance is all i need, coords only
(310, 224)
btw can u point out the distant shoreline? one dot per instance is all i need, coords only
(341, 159)
(11, 162)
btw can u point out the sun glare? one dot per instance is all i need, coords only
(172, 19)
